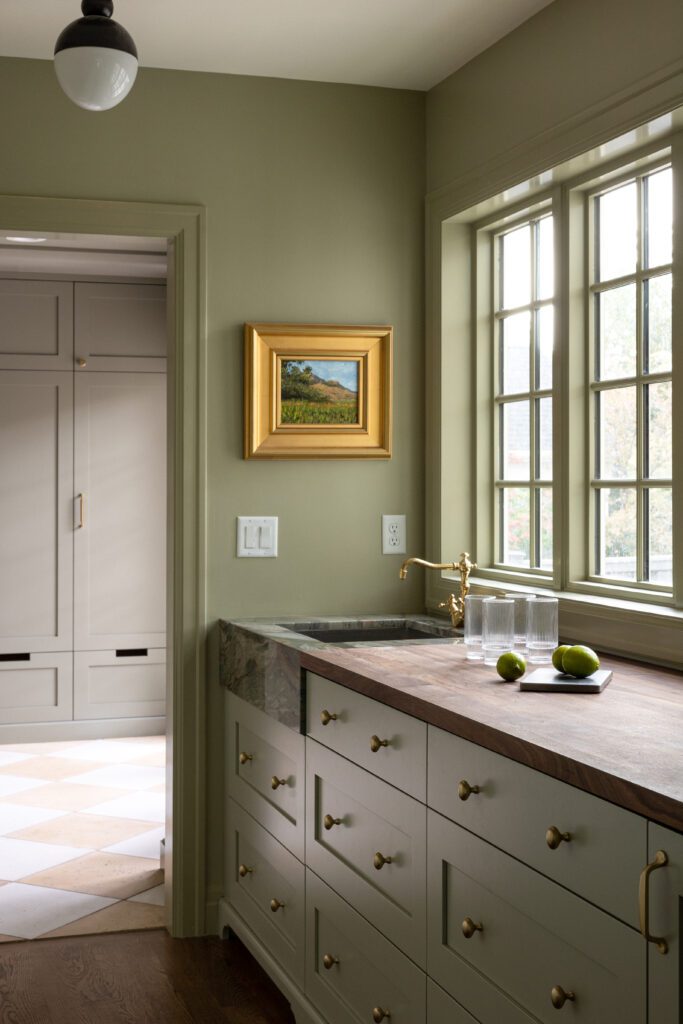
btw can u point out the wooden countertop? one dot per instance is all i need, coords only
(624, 744)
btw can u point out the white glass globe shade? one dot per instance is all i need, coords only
(95, 77)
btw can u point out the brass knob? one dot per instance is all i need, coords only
(329, 822)
(559, 997)
(275, 783)
(244, 757)
(469, 927)
(379, 860)
(465, 791)
(378, 1015)
(329, 961)
(376, 743)
(81, 361)
(554, 837)
(275, 905)
(244, 870)
(326, 717)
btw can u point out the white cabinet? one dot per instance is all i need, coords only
(36, 687)
(36, 325)
(664, 921)
(124, 683)
(120, 327)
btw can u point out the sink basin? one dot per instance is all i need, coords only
(339, 636)
(374, 630)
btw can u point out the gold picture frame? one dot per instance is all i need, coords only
(315, 391)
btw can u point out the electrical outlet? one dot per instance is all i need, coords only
(393, 535)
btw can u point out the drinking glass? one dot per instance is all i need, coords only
(498, 628)
(521, 602)
(473, 615)
(542, 630)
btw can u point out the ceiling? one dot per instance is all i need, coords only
(402, 44)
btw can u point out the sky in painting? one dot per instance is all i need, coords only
(343, 370)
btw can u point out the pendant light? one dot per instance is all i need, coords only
(95, 58)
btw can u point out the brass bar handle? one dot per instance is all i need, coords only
(661, 859)
(275, 905)
(245, 758)
(376, 744)
(329, 822)
(275, 783)
(329, 961)
(559, 997)
(81, 511)
(555, 838)
(465, 791)
(378, 1015)
(244, 870)
(326, 717)
(379, 860)
(469, 927)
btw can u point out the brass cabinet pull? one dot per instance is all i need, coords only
(275, 783)
(244, 757)
(326, 717)
(465, 791)
(554, 837)
(379, 860)
(469, 927)
(275, 905)
(378, 1015)
(81, 361)
(329, 961)
(661, 859)
(81, 511)
(559, 997)
(244, 870)
(376, 743)
(329, 822)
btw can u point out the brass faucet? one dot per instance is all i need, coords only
(455, 605)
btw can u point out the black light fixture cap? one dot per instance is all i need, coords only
(96, 28)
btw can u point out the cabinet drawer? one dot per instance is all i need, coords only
(400, 756)
(36, 688)
(372, 820)
(364, 972)
(265, 771)
(266, 885)
(516, 806)
(119, 684)
(441, 1009)
(534, 937)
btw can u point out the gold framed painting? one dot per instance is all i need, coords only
(317, 392)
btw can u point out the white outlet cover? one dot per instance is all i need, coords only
(257, 536)
(393, 535)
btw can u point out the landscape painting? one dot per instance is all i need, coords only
(319, 391)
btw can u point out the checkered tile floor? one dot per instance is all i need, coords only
(80, 827)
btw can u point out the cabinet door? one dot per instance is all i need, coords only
(120, 544)
(36, 524)
(36, 325)
(128, 683)
(665, 922)
(120, 327)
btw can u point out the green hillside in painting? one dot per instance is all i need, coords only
(306, 397)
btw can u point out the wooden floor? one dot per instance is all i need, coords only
(136, 978)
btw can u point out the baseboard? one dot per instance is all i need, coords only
(95, 729)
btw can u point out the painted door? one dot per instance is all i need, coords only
(665, 918)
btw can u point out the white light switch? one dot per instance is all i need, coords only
(257, 536)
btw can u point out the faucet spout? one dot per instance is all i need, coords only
(455, 605)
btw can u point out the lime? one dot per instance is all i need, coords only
(580, 661)
(558, 655)
(511, 666)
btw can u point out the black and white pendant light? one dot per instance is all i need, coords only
(95, 58)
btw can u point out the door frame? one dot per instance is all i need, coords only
(184, 228)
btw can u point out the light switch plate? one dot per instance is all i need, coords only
(393, 535)
(257, 536)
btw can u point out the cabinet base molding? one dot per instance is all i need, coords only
(103, 728)
(304, 1011)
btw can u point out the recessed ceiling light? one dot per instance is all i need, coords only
(23, 238)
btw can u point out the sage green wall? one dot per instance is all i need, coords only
(554, 68)
(314, 198)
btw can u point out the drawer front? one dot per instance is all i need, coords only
(113, 684)
(516, 806)
(441, 1009)
(534, 937)
(372, 821)
(266, 885)
(38, 689)
(386, 742)
(364, 972)
(265, 772)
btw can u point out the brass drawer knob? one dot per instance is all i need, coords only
(244, 757)
(275, 905)
(329, 961)
(378, 1015)
(379, 860)
(326, 717)
(465, 791)
(469, 927)
(554, 837)
(329, 822)
(244, 870)
(559, 997)
(275, 783)
(376, 744)
(81, 361)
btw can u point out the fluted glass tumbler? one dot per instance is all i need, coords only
(521, 602)
(542, 630)
(498, 628)
(473, 621)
